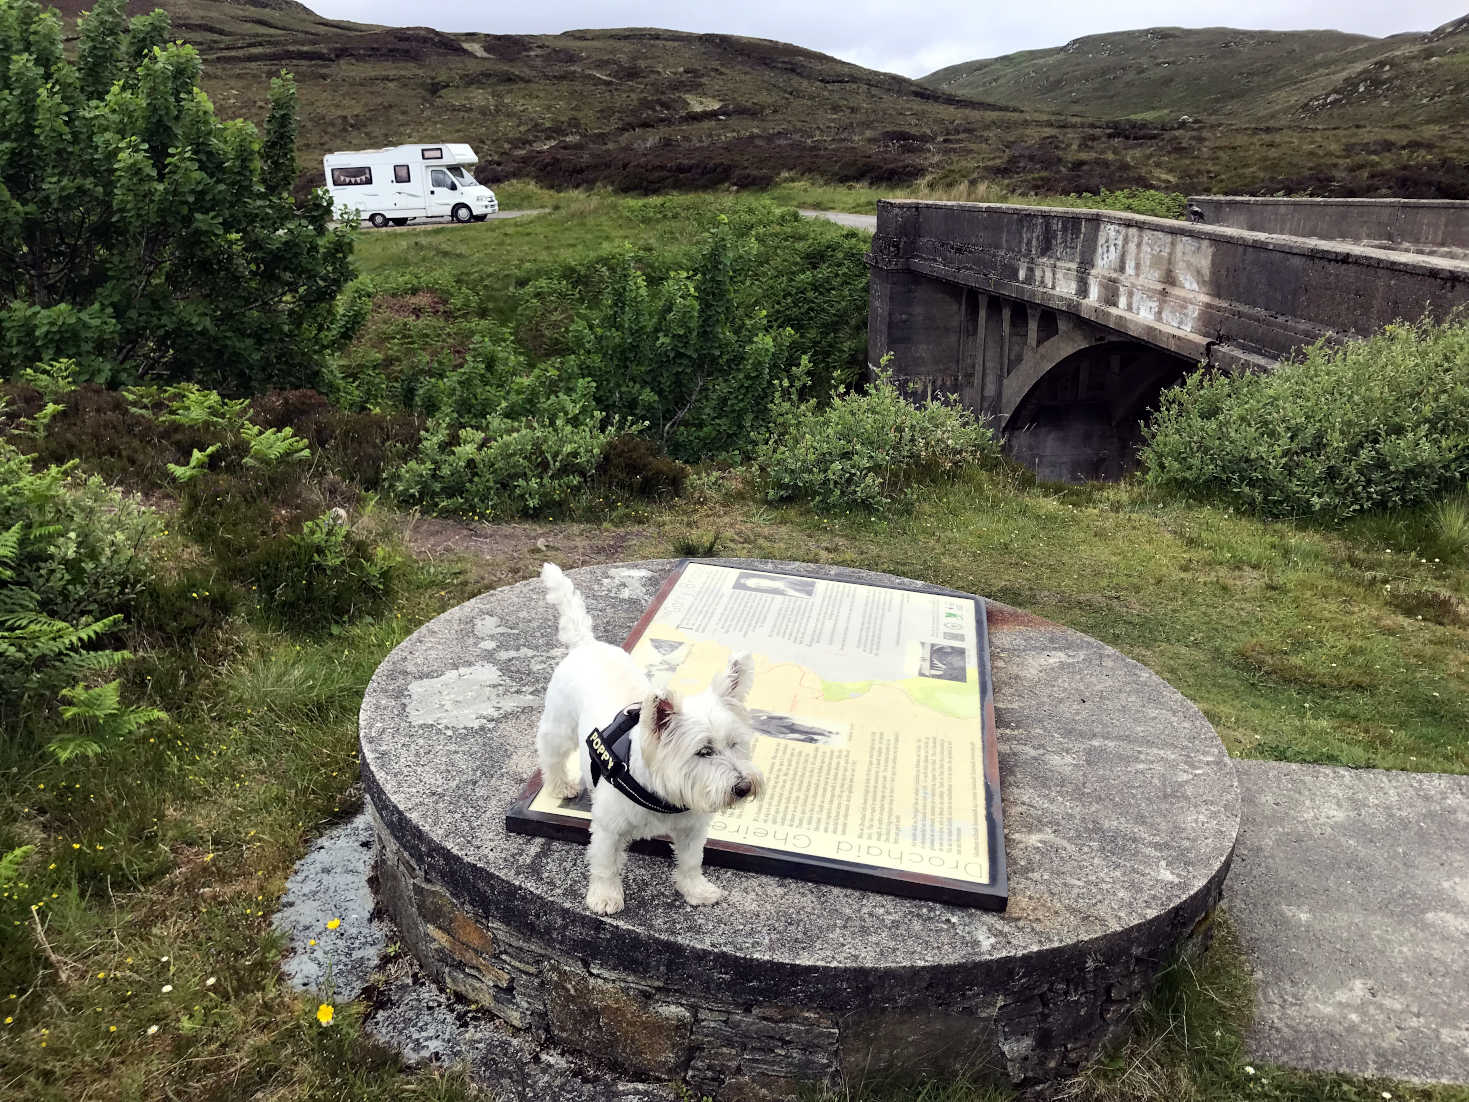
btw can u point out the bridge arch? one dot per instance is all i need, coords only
(1077, 406)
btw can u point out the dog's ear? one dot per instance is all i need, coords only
(658, 711)
(733, 685)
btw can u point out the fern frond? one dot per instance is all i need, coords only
(11, 862)
(67, 747)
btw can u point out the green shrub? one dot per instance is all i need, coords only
(322, 575)
(503, 439)
(158, 239)
(809, 276)
(632, 465)
(82, 549)
(684, 356)
(865, 451)
(507, 466)
(1371, 424)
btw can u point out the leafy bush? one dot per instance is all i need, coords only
(685, 357)
(159, 240)
(508, 466)
(503, 439)
(70, 560)
(1372, 424)
(322, 575)
(810, 278)
(81, 551)
(867, 450)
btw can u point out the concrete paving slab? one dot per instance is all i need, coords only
(1350, 889)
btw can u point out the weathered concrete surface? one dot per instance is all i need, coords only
(1351, 894)
(1121, 809)
(330, 882)
(1409, 224)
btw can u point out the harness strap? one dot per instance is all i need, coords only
(609, 750)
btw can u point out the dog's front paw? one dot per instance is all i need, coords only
(564, 789)
(604, 900)
(700, 892)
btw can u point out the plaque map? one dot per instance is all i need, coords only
(875, 730)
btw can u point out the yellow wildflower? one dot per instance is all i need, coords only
(324, 1013)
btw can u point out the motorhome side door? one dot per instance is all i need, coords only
(443, 192)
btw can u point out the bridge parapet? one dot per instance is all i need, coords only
(1435, 226)
(1234, 298)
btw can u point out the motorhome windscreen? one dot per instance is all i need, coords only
(458, 173)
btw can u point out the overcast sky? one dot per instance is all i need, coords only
(913, 38)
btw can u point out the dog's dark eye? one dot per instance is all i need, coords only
(704, 752)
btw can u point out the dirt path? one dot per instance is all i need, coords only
(505, 553)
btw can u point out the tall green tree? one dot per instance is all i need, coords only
(139, 234)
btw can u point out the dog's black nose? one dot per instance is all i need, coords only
(742, 789)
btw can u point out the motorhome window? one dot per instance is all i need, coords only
(457, 173)
(439, 178)
(433, 153)
(400, 174)
(351, 177)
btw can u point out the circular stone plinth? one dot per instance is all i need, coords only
(1120, 807)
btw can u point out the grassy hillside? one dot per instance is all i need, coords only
(1276, 76)
(652, 110)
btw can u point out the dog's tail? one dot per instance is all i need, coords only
(575, 627)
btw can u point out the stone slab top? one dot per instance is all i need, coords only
(1351, 894)
(1120, 805)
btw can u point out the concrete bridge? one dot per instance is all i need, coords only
(1064, 326)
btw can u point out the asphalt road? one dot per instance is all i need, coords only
(431, 223)
(866, 222)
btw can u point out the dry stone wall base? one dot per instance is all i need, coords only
(1110, 879)
(1046, 1023)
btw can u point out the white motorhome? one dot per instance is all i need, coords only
(402, 182)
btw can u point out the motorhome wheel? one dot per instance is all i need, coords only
(379, 220)
(462, 213)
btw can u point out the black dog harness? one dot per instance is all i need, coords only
(609, 750)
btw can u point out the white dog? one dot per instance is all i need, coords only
(688, 758)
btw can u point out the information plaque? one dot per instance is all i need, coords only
(875, 717)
